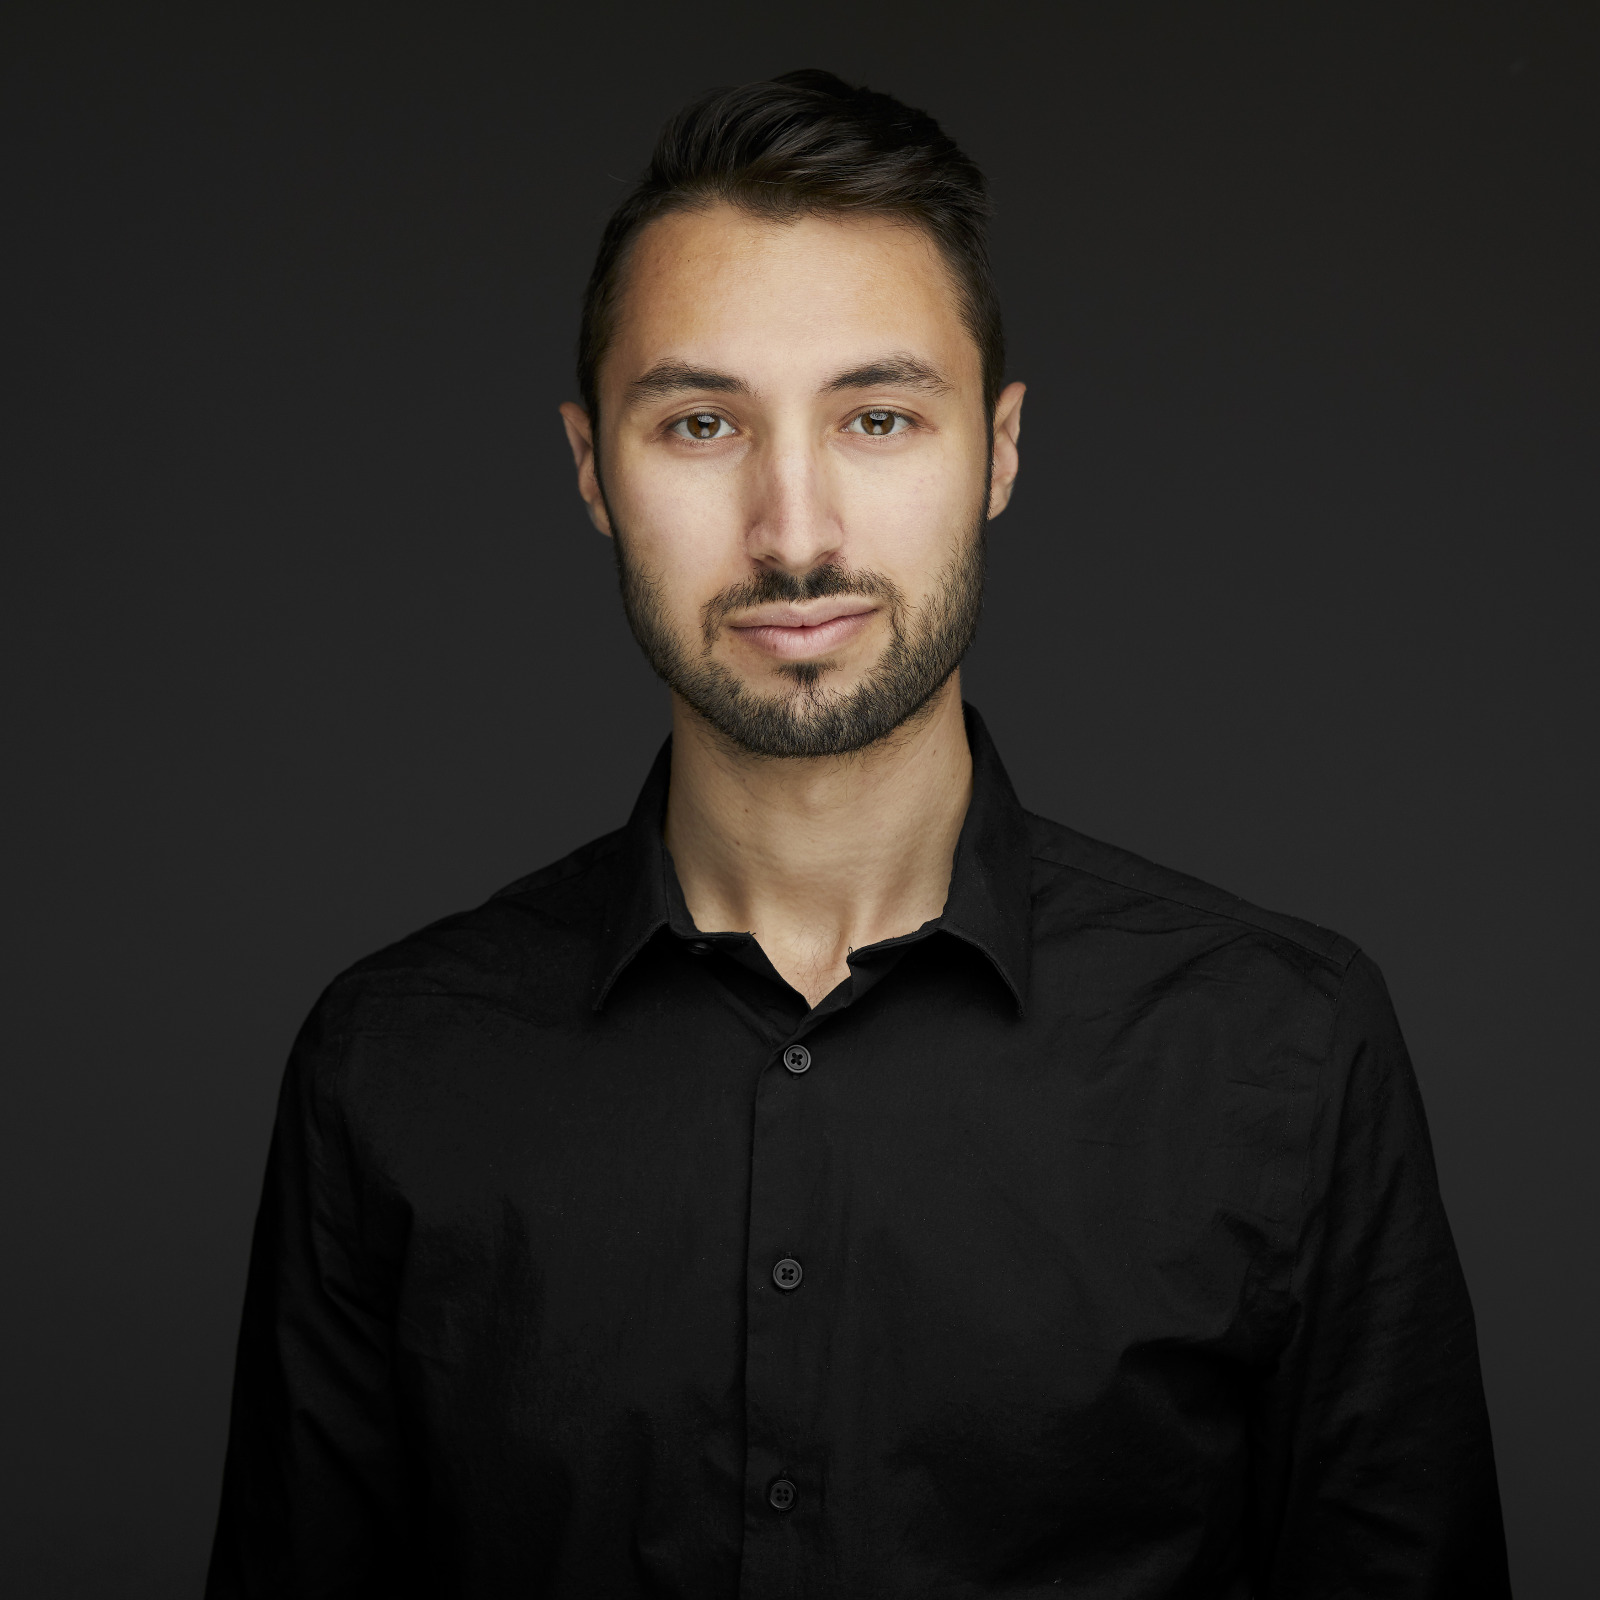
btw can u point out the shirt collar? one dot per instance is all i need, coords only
(988, 905)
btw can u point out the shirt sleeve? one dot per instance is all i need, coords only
(317, 1498)
(1374, 1468)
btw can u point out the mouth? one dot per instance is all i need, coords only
(803, 632)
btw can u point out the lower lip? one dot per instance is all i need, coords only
(802, 644)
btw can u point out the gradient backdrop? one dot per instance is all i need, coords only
(309, 641)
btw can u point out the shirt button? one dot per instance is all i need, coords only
(797, 1058)
(788, 1273)
(782, 1495)
(700, 947)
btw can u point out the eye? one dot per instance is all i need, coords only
(702, 425)
(878, 424)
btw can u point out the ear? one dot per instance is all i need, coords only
(580, 435)
(1007, 430)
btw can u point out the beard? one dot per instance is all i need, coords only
(808, 718)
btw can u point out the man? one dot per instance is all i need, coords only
(839, 1182)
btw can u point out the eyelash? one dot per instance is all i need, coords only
(696, 416)
(871, 411)
(882, 411)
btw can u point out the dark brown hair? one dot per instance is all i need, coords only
(805, 144)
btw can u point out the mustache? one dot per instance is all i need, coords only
(770, 586)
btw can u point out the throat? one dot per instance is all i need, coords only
(807, 970)
(819, 858)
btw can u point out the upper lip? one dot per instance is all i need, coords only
(811, 614)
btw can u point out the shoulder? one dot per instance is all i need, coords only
(1072, 870)
(1128, 936)
(528, 948)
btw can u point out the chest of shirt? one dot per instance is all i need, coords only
(991, 1202)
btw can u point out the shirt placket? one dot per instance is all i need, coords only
(787, 1296)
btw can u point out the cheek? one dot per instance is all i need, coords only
(912, 519)
(683, 533)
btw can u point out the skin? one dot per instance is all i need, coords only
(787, 335)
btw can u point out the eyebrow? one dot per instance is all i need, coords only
(894, 372)
(668, 378)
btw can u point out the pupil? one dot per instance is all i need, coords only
(705, 426)
(878, 421)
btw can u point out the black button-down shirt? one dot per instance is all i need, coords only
(1084, 1241)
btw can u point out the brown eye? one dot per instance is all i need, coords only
(703, 425)
(878, 423)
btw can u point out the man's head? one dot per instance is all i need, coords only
(793, 423)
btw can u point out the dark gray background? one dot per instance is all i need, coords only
(310, 642)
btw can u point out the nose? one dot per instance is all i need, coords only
(791, 522)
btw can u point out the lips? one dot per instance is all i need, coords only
(794, 632)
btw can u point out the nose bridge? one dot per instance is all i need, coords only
(792, 521)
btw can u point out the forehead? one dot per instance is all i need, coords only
(720, 287)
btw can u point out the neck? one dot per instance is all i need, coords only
(819, 857)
